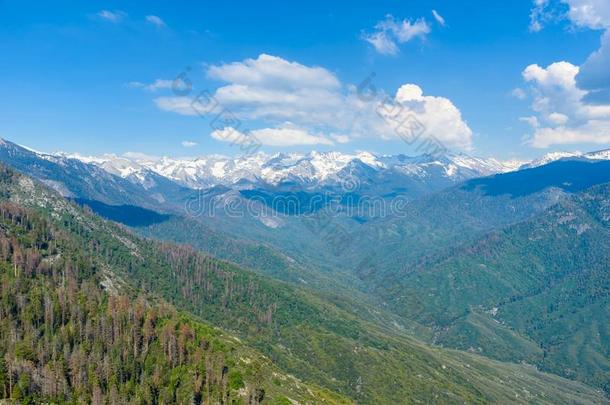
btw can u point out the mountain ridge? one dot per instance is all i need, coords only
(318, 168)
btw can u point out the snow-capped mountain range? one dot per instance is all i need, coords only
(554, 156)
(167, 183)
(312, 169)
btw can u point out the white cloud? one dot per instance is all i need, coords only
(594, 132)
(559, 75)
(274, 89)
(180, 104)
(594, 14)
(532, 121)
(439, 18)
(382, 43)
(188, 144)
(556, 118)
(405, 30)
(112, 16)
(155, 20)
(389, 31)
(439, 116)
(271, 91)
(228, 134)
(562, 115)
(285, 135)
(539, 15)
(269, 70)
(164, 84)
(519, 93)
(160, 84)
(340, 138)
(572, 103)
(594, 75)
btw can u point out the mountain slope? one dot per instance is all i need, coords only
(569, 175)
(431, 225)
(298, 331)
(377, 249)
(71, 331)
(538, 291)
(255, 256)
(75, 179)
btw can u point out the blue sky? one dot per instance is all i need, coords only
(93, 77)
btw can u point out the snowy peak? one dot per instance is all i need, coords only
(314, 168)
(551, 157)
(312, 171)
(599, 155)
(554, 156)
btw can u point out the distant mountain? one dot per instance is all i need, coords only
(170, 184)
(571, 175)
(112, 184)
(135, 179)
(159, 207)
(312, 170)
(74, 178)
(554, 156)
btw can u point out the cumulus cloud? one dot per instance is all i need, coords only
(112, 16)
(594, 14)
(438, 115)
(389, 31)
(594, 75)
(562, 115)
(572, 102)
(594, 132)
(189, 144)
(155, 20)
(272, 91)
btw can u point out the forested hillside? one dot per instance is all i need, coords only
(71, 331)
(538, 291)
(301, 333)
